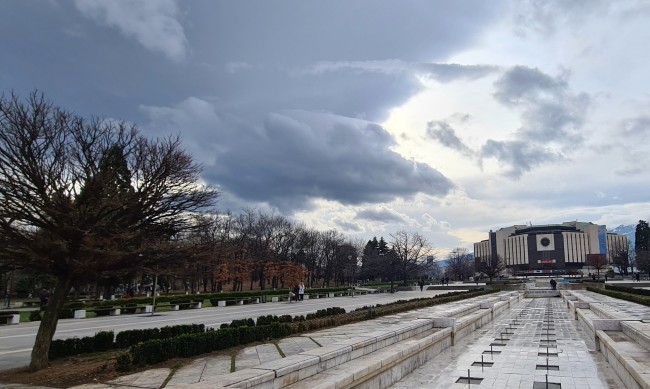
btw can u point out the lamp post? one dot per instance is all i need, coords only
(155, 283)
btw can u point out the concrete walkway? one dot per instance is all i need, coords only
(537, 340)
(534, 342)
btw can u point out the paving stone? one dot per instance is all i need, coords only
(152, 379)
(217, 365)
(516, 366)
(189, 374)
(296, 344)
(267, 352)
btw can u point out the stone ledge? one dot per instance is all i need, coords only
(633, 373)
(363, 357)
(638, 331)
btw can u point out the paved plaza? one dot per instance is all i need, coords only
(534, 342)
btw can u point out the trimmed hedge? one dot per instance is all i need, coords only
(159, 350)
(128, 338)
(268, 327)
(105, 340)
(627, 289)
(102, 341)
(635, 298)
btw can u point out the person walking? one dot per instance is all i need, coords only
(553, 284)
(421, 283)
(44, 296)
(301, 291)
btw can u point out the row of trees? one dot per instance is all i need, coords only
(93, 202)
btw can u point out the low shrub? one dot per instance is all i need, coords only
(35, 316)
(61, 348)
(627, 289)
(103, 341)
(265, 320)
(128, 338)
(124, 362)
(635, 298)
(242, 332)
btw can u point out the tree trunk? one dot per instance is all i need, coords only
(47, 327)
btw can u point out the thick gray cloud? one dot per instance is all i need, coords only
(153, 24)
(443, 133)
(294, 157)
(549, 111)
(552, 119)
(518, 156)
(521, 84)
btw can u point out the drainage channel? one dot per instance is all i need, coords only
(534, 345)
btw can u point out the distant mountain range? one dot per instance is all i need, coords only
(627, 230)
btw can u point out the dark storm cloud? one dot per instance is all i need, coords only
(444, 134)
(244, 110)
(300, 33)
(381, 215)
(302, 156)
(297, 156)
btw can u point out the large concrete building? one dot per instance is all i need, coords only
(553, 248)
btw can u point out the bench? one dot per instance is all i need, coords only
(109, 311)
(10, 317)
(27, 303)
(235, 301)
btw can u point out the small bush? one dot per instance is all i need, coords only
(124, 362)
(35, 316)
(266, 320)
(103, 341)
(285, 319)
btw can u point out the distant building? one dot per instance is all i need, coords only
(553, 248)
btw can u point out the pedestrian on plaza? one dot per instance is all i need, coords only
(301, 291)
(421, 283)
(44, 296)
(638, 277)
(553, 284)
(605, 277)
(296, 291)
(447, 281)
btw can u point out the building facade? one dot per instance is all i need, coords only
(555, 248)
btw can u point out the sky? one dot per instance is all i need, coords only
(445, 118)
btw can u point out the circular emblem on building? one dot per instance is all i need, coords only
(545, 242)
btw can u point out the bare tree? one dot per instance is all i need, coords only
(491, 266)
(411, 250)
(79, 199)
(622, 258)
(598, 262)
(460, 263)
